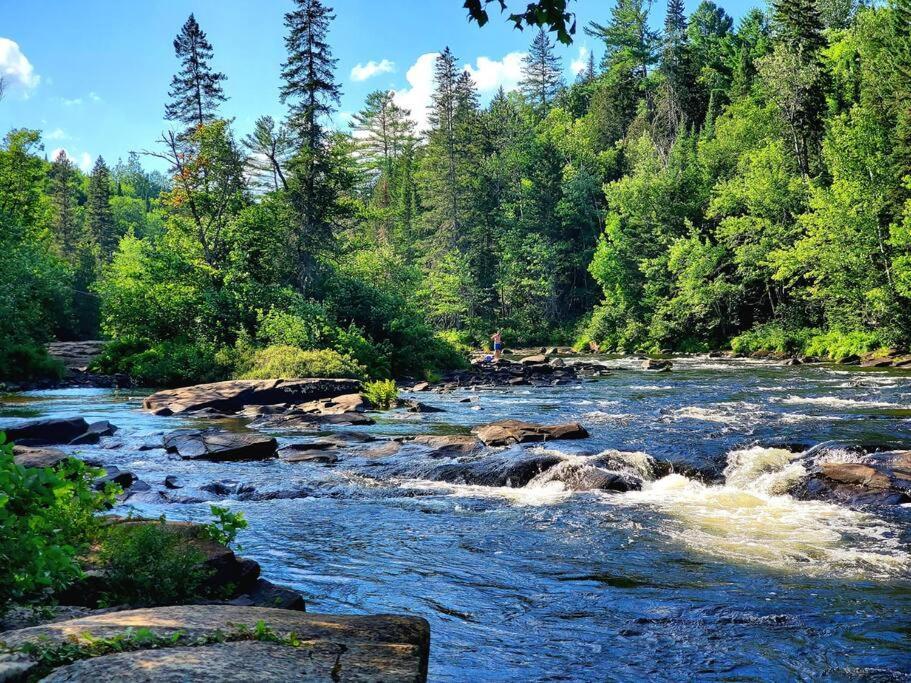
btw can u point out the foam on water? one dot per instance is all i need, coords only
(835, 402)
(751, 520)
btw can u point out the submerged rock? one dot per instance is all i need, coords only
(27, 456)
(508, 432)
(220, 445)
(232, 396)
(882, 478)
(657, 364)
(449, 445)
(513, 470)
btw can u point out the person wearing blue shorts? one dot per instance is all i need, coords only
(497, 339)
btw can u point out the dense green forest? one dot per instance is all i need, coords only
(698, 186)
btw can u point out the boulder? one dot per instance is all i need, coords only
(310, 421)
(171, 482)
(114, 475)
(512, 470)
(347, 403)
(27, 456)
(94, 433)
(882, 478)
(417, 407)
(220, 445)
(228, 487)
(537, 359)
(382, 451)
(421, 386)
(47, 432)
(448, 446)
(267, 594)
(232, 396)
(656, 364)
(316, 452)
(332, 647)
(508, 432)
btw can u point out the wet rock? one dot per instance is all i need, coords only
(417, 407)
(267, 594)
(309, 452)
(882, 478)
(385, 450)
(220, 445)
(47, 432)
(558, 363)
(172, 482)
(587, 476)
(309, 421)
(448, 446)
(339, 405)
(353, 648)
(232, 396)
(661, 365)
(227, 487)
(27, 456)
(538, 359)
(421, 386)
(513, 470)
(94, 433)
(343, 438)
(508, 432)
(114, 475)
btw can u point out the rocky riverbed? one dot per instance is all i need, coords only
(542, 524)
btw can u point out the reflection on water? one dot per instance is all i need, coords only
(712, 571)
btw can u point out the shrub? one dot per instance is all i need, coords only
(223, 529)
(24, 362)
(772, 337)
(150, 564)
(47, 518)
(382, 394)
(165, 364)
(837, 345)
(275, 362)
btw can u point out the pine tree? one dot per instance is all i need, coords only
(541, 80)
(442, 137)
(798, 25)
(316, 180)
(64, 179)
(196, 90)
(383, 130)
(629, 42)
(98, 215)
(309, 72)
(269, 147)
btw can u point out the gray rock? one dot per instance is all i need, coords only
(220, 445)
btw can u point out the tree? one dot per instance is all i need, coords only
(64, 178)
(269, 148)
(196, 90)
(678, 104)
(541, 78)
(98, 214)
(550, 13)
(629, 42)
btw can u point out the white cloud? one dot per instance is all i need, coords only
(56, 134)
(15, 67)
(490, 74)
(580, 64)
(83, 161)
(416, 97)
(75, 102)
(95, 97)
(361, 72)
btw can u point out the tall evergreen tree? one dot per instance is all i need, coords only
(63, 187)
(310, 89)
(196, 90)
(679, 101)
(99, 217)
(269, 147)
(541, 80)
(628, 40)
(442, 137)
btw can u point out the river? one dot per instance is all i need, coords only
(733, 579)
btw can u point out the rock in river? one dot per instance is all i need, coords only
(220, 445)
(878, 478)
(508, 432)
(232, 396)
(38, 457)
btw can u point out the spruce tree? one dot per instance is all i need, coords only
(542, 80)
(98, 215)
(64, 179)
(442, 137)
(196, 90)
(680, 85)
(383, 130)
(269, 147)
(310, 90)
(629, 42)
(799, 26)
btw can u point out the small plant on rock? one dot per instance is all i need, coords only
(223, 529)
(382, 394)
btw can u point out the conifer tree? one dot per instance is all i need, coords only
(442, 137)
(679, 91)
(196, 90)
(542, 80)
(269, 147)
(383, 130)
(64, 178)
(98, 215)
(629, 42)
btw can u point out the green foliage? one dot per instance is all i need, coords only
(275, 362)
(224, 528)
(833, 345)
(23, 362)
(147, 564)
(165, 364)
(47, 519)
(382, 394)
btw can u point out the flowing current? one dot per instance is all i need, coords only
(713, 570)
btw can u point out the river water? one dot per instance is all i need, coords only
(718, 576)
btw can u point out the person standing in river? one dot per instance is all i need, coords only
(497, 339)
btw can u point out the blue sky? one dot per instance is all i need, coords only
(94, 75)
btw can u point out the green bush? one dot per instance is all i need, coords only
(382, 394)
(165, 364)
(26, 362)
(223, 529)
(837, 345)
(148, 564)
(832, 345)
(47, 519)
(275, 362)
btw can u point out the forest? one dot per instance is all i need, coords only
(706, 186)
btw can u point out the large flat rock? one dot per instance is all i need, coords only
(508, 432)
(47, 432)
(332, 648)
(232, 396)
(220, 445)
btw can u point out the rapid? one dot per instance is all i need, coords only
(716, 568)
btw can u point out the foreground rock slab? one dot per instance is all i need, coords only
(27, 456)
(234, 395)
(509, 432)
(219, 445)
(330, 647)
